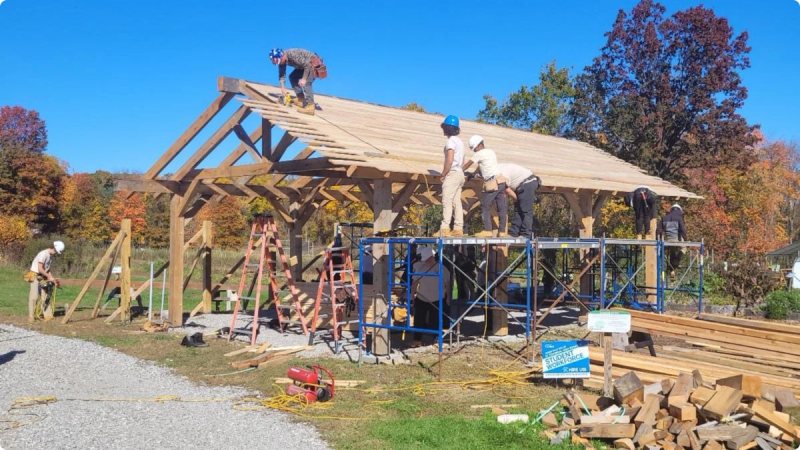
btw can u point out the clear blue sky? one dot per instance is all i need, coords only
(117, 81)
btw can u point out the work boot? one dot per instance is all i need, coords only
(308, 109)
(444, 233)
(484, 234)
(457, 232)
(501, 234)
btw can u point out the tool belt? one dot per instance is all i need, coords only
(493, 184)
(30, 276)
(319, 67)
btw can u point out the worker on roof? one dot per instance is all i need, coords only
(452, 179)
(307, 67)
(522, 185)
(494, 186)
(645, 208)
(671, 228)
(38, 274)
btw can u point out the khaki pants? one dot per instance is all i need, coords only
(33, 296)
(451, 200)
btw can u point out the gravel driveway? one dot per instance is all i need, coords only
(33, 365)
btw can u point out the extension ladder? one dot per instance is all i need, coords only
(337, 288)
(264, 236)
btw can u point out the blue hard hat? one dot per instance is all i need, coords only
(275, 53)
(451, 120)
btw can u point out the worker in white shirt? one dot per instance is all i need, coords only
(40, 272)
(425, 292)
(522, 185)
(494, 187)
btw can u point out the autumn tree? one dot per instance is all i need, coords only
(541, 108)
(125, 205)
(664, 93)
(22, 128)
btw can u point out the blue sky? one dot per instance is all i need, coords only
(118, 81)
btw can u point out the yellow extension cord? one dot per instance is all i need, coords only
(38, 309)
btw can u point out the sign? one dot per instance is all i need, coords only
(565, 359)
(609, 321)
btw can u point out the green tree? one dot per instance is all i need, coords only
(541, 108)
(664, 92)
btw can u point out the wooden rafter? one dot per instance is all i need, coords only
(187, 136)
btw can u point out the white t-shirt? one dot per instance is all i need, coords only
(428, 288)
(458, 152)
(516, 174)
(43, 257)
(486, 160)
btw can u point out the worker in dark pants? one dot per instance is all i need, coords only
(645, 208)
(307, 67)
(522, 186)
(671, 228)
(425, 292)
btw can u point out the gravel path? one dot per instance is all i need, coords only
(33, 364)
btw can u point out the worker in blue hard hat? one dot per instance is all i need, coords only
(452, 179)
(307, 67)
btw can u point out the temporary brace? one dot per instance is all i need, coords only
(263, 235)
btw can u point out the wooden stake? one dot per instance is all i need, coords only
(125, 259)
(608, 387)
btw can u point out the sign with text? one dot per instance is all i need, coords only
(565, 359)
(609, 321)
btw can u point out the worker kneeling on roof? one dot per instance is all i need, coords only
(522, 186)
(494, 186)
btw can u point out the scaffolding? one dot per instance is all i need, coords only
(595, 273)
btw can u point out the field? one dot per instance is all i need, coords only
(396, 407)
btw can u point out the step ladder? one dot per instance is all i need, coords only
(264, 237)
(338, 290)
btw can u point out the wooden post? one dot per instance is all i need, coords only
(382, 211)
(296, 249)
(585, 231)
(608, 386)
(650, 268)
(207, 246)
(176, 236)
(107, 256)
(125, 260)
(499, 315)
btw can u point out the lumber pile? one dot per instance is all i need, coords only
(270, 356)
(687, 413)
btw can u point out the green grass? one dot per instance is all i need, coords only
(457, 433)
(389, 418)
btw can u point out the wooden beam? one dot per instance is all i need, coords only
(212, 142)
(241, 149)
(125, 259)
(189, 196)
(176, 238)
(280, 148)
(208, 245)
(94, 274)
(251, 170)
(382, 212)
(187, 136)
(599, 202)
(266, 140)
(302, 165)
(250, 146)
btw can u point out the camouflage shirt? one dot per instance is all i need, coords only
(297, 58)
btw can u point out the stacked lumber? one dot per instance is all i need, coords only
(652, 369)
(687, 413)
(270, 356)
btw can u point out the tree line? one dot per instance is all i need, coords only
(664, 94)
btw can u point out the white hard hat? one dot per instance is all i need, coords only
(474, 141)
(676, 206)
(59, 246)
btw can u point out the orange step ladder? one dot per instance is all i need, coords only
(263, 237)
(337, 289)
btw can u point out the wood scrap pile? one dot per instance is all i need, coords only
(688, 413)
(266, 355)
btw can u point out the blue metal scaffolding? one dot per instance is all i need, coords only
(610, 273)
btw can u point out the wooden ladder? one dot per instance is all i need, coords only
(264, 236)
(338, 289)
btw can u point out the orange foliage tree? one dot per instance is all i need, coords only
(124, 207)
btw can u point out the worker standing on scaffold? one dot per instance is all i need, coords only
(645, 208)
(494, 186)
(452, 179)
(671, 228)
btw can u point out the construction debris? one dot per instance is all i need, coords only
(727, 414)
(270, 356)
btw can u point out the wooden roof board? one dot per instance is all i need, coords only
(414, 142)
